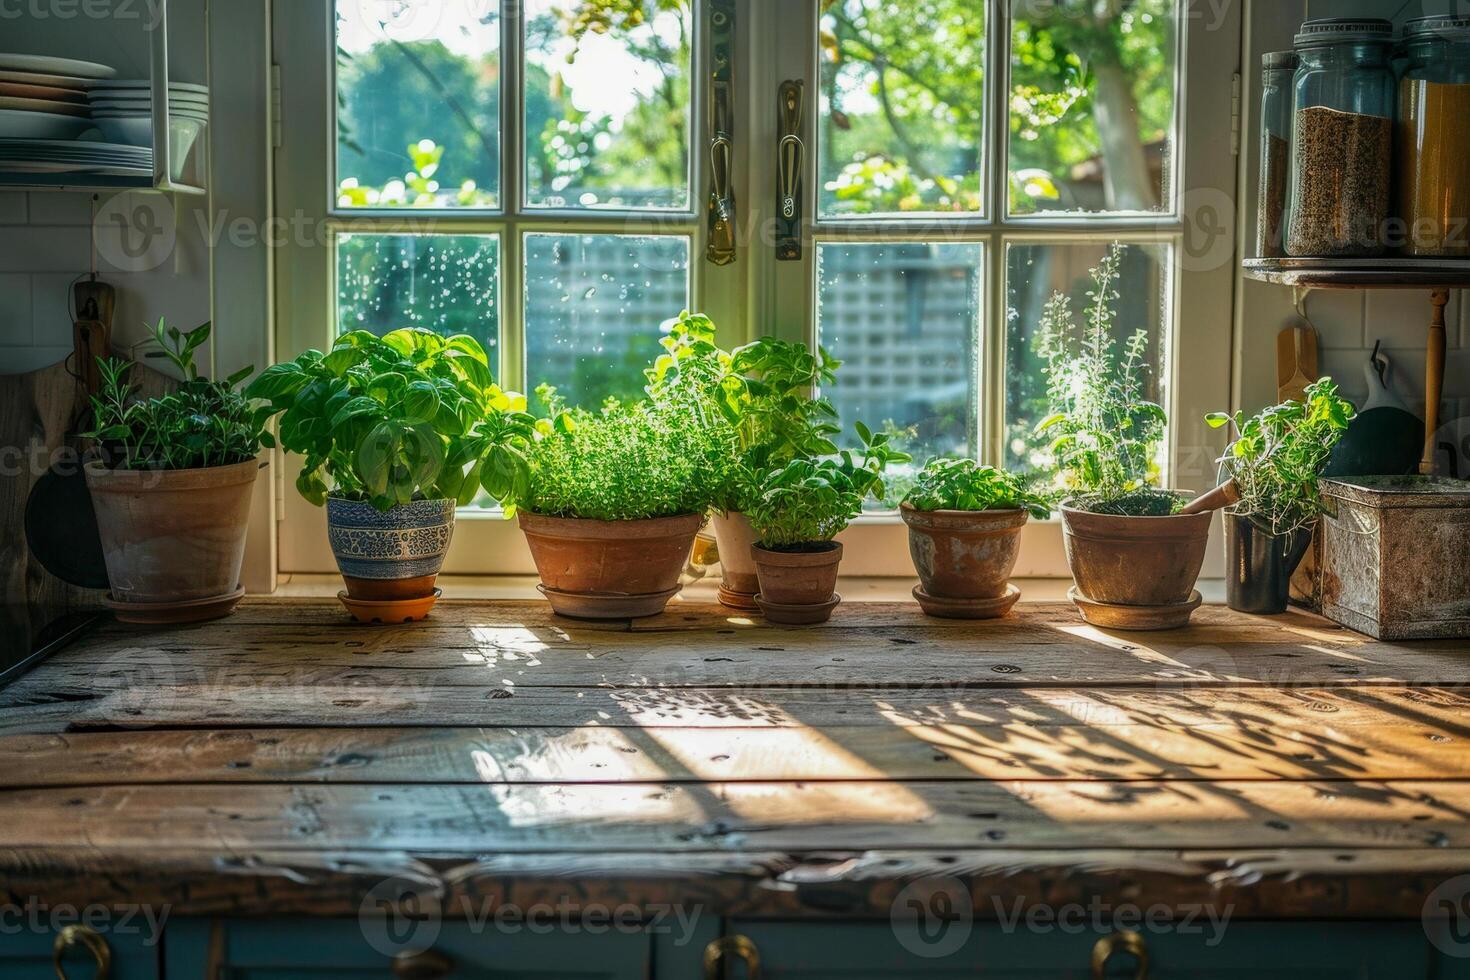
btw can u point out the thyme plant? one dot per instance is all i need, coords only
(963, 484)
(1278, 456)
(1106, 434)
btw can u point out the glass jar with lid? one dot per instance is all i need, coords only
(1278, 72)
(1434, 137)
(1342, 139)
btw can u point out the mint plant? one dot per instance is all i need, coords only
(963, 484)
(405, 416)
(1278, 456)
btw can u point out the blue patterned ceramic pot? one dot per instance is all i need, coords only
(389, 555)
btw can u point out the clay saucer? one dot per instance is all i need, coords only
(1113, 616)
(607, 605)
(174, 613)
(388, 612)
(943, 607)
(804, 615)
(743, 601)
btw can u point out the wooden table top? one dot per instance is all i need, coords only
(284, 760)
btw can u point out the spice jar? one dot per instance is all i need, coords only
(1342, 139)
(1434, 137)
(1278, 72)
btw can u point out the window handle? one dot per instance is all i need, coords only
(789, 152)
(721, 247)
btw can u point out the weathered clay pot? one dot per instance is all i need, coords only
(392, 555)
(738, 581)
(1259, 565)
(1135, 561)
(173, 536)
(964, 555)
(798, 578)
(609, 569)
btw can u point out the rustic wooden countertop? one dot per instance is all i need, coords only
(285, 761)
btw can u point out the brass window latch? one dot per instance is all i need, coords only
(789, 159)
(721, 247)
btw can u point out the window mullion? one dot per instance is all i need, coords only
(512, 190)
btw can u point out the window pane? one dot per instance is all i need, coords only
(418, 103)
(594, 304)
(1092, 105)
(903, 319)
(445, 283)
(607, 104)
(902, 104)
(1034, 274)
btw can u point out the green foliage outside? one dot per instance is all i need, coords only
(1105, 434)
(203, 423)
(1278, 456)
(396, 418)
(963, 484)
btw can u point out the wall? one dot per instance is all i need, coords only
(1348, 322)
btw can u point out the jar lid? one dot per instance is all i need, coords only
(1450, 27)
(1340, 30)
(1280, 61)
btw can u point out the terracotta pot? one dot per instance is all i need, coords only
(964, 554)
(392, 555)
(1135, 561)
(619, 569)
(738, 581)
(798, 578)
(173, 536)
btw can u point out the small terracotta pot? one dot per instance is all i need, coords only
(738, 580)
(1135, 561)
(173, 536)
(622, 569)
(798, 578)
(393, 555)
(962, 554)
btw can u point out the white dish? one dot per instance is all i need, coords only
(70, 82)
(19, 90)
(114, 103)
(52, 167)
(15, 124)
(45, 105)
(39, 64)
(63, 145)
(139, 132)
(147, 84)
(139, 155)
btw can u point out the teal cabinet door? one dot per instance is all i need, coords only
(1298, 951)
(26, 955)
(334, 949)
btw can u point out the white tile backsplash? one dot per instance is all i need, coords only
(55, 208)
(34, 248)
(15, 311)
(1338, 316)
(12, 208)
(1400, 318)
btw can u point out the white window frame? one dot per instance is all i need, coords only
(775, 40)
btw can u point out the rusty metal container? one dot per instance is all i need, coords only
(1396, 556)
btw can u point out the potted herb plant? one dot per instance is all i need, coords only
(765, 390)
(395, 431)
(614, 500)
(1275, 461)
(802, 506)
(172, 488)
(965, 524)
(1134, 558)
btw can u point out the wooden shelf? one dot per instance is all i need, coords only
(1361, 273)
(83, 181)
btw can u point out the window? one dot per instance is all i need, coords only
(537, 174)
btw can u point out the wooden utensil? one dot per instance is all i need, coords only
(1296, 361)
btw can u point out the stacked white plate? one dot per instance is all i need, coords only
(123, 111)
(45, 98)
(35, 156)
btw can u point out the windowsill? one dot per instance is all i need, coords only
(522, 587)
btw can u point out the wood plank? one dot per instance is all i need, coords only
(1020, 735)
(737, 816)
(1269, 883)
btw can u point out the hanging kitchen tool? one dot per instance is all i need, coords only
(1385, 439)
(60, 524)
(1296, 356)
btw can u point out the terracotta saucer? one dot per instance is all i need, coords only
(790, 615)
(744, 601)
(389, 612)
(607, 605)
(171, 613)
(946, 608)
(1113, 616)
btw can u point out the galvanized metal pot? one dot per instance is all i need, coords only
(1259, 565)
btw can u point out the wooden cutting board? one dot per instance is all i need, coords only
(1296, 361)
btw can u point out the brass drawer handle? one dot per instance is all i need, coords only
(1129, 943)
(73, 936)
(741, 946)
(426, 965)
